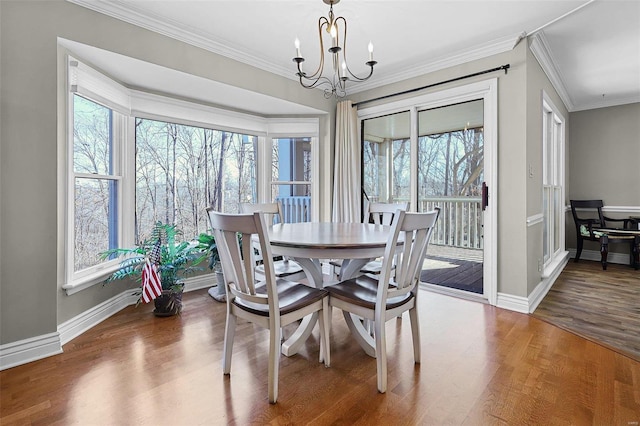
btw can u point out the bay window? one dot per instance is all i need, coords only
(135, 158)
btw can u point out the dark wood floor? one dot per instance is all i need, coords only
(600, 305)
(481, 365)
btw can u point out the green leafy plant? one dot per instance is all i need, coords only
(177, 258)
(207, 243)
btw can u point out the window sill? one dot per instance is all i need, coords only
(89, 280)
(558, 261)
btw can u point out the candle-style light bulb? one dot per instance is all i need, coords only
(297, 43)
(334, 35)
(370, 51)
(344, 69)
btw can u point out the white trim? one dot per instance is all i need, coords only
(491, 48)
(35, 348)
(546, 283)
(541, 51)
(31, 349)
(178, 31)
(535, 219)
(513, 303)
(77, 325)
(158, 107)
(200, 281)
(608, 102)
(620, 209)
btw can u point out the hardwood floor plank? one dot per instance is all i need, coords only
(603, 306)
(481, 365)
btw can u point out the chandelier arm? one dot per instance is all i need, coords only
(335, 84)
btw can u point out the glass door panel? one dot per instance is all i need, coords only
(450, 176)
(386, 157)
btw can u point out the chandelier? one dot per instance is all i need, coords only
(334, 84)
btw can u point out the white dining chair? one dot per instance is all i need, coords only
(285, 267)
(379, 298)
(272, 303)
(378, 214)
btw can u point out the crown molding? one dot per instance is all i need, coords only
(491, 48)
(540, 49)
(608, 102)
(128, 13)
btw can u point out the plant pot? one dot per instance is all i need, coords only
(219, 292)
(169, 303)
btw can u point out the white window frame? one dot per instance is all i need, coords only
(129, 104)
(553, 178)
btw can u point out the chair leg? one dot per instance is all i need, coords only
(229, 334)
(381, 354)
(325, 327)
(604, 251)
(579, 249)
(274, 363)
(415, 333)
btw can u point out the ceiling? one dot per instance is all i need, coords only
(589, 49)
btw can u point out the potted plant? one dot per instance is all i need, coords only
(208, 244)
(173, 260)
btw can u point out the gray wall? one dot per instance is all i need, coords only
(32, 133)
(604, 155)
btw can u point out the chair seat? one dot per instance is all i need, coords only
(373, 267)
(362, 291)
(291, 296)
(282, 268)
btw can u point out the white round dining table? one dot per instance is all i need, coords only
(309, 242)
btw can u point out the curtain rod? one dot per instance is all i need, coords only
(503, 67)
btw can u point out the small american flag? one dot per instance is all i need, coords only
(151, 284)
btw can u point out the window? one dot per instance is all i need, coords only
(291, 178)
(181, 170)
(552, 181)
(96, 179)
(135, 158)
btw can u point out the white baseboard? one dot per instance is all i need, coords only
(528, 304)
(200, 281)
(35, 348)
(545, 284)
(77, 325)
(513, 303)
(27, 350)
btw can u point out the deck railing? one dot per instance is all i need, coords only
(459, 223)
(295, 208)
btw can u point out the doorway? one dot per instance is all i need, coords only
(439, 152)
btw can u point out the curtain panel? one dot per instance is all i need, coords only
(346, 177)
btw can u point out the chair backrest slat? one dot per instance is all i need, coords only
(235, 235)
(416, 229)
(382, 213)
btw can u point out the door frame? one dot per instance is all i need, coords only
(488, 91)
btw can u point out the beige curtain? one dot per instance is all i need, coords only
(346, 177)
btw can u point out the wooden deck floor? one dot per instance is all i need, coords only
(453, 267)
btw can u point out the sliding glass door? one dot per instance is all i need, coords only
(439, 150)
